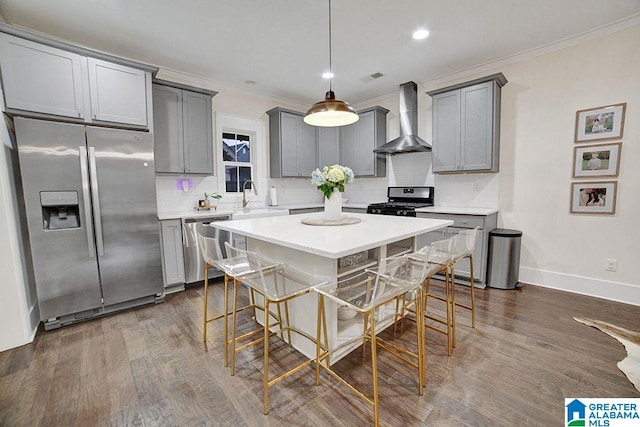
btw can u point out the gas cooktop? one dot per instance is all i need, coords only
(403, 201)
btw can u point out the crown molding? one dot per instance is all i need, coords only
(597, 33)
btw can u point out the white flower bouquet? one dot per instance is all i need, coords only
(331, 178)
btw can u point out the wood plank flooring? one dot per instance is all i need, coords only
(149, 367)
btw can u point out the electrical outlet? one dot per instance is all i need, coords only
(612, 264)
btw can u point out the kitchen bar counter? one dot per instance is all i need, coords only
(332, 241)
(329, 253)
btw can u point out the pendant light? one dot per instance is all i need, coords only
(330, 112)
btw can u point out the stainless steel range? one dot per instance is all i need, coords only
(403, 201)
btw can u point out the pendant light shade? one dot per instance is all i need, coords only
(330, 112)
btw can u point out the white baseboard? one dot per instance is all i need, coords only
(614, 291)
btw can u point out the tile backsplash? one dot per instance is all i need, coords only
(456, 190)
(477, 190)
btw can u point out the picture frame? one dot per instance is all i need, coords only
(600, 123)
(594, 197)
(602, 160)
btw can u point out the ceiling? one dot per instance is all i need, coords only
(280, 47)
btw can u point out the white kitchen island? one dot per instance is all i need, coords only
(330, 252)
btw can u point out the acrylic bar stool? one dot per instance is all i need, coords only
(233, 269)
(461, 247)
(438, 263)
(277, 285)
(368, 294)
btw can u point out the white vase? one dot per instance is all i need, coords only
(333, 206)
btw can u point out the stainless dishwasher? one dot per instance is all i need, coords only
(193, 262)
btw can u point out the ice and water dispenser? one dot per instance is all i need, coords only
(60, 210)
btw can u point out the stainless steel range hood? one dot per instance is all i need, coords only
(408, 141)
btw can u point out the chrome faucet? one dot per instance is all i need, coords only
(244, 187)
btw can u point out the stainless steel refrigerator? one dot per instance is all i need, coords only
(91, 212)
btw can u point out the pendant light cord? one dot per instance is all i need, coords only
(330, 66)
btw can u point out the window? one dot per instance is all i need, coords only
(236, 156)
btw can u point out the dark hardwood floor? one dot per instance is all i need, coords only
(148, 366)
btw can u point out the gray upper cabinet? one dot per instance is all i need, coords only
(183, 132)
(357, 142)
(328, 146)
(43, 77)
(293, 144)
(466, 126)
(40, 78)
(118, 93)
(296, 149)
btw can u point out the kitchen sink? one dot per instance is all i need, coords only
(258, 213)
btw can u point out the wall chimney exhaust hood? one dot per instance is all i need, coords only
(408, 141)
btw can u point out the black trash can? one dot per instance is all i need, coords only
(504, 258)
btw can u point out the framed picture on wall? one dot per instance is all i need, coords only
(600, 123)
(596, 160)
(594, 197)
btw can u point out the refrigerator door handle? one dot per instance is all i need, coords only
(84, 175)
(95, 197)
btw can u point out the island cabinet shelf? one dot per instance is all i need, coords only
(331, 254)
(355, 263)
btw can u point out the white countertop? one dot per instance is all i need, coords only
(457, 210)
(294, 206)
(222, 211)
(210, 213)
(332, 241)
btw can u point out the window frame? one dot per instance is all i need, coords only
(255, 129)
(250, 164)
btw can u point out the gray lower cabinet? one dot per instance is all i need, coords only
(357, 142)
(172, 254)
(304, 211)
(183, 131)
(293, 145)
(466, 126)
(354, 210)
(461, 222)
(49, 81)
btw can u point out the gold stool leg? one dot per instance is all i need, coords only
(206, 296)
(419, 334)
(448, 287)
(265, 379)
(374, 367)
(233, 331)
(226, 320)
(473, 297)
(364, 334)
(318, 328)
(453, 304)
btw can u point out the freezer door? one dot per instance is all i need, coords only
(124, 204)
(64, 261)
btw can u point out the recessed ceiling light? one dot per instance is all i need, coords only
(420, 34)
(327, 75)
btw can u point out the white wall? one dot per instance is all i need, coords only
(539, 103)
(539, 108)
(18, 310)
